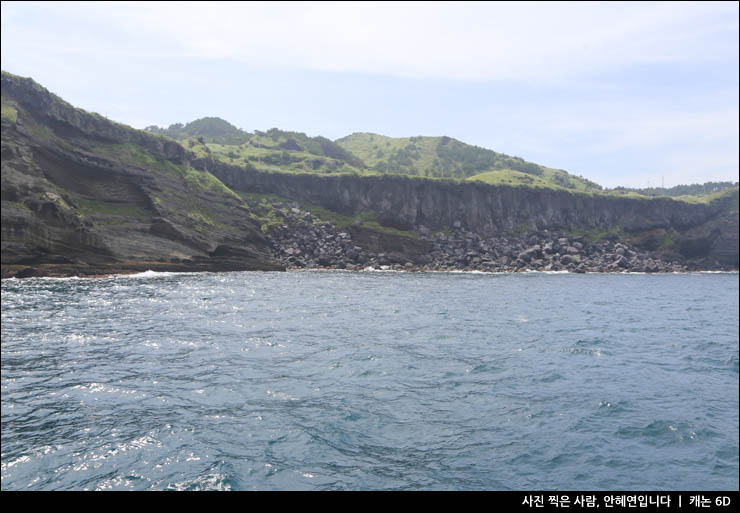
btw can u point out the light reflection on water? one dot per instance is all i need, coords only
(340, 380)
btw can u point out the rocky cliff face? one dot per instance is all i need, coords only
(81, 194)
(705, 234)
(84, 195)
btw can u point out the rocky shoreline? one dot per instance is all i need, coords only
(304, 242)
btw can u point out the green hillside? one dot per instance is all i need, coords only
(511, 177)
(367, 153)
(210, 129)
(273, 150)
(445, 157)
(696, 190)
(550, 178)
(364, 153)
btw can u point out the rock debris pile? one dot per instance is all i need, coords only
(302, 241)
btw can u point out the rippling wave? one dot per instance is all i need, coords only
(340, 380)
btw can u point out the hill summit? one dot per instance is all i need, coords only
(213, 128)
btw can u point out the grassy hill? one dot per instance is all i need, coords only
(550, 179)
(273, 150)
(214, 130)
(368, 153)
(364, 153)
(445, 157)
(691, 192)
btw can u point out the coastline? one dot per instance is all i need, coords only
(126, 268)
(133, 269)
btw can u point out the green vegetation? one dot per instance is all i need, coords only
(265, 213)
(15, 204)
(274, 150)
(40, 131)
(366, 154)
(267, 150)
(267, 159)
(297, 141)
(430, 156)
(9, 112)
(705, 198)
(711, 197)
(56, 198)
(206, 181)
(445, 157)
(210, 129)
(549, 179)
(620, 193)
(201, 217)
(511, 177)
(468, 159)
(132, 153)
(359, 154)
(684, 191)
(568, 181)
(279, 150)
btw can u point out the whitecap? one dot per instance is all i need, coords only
(148, 274)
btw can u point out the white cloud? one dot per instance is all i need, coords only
(577, 87)
(469, 41)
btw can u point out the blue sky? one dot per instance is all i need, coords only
(620, 93)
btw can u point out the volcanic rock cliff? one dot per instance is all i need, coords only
(704, 234)
(84, 195)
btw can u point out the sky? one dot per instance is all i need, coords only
(625, 94)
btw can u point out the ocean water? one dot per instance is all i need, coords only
(340, 380)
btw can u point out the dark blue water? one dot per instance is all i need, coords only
(338, 380)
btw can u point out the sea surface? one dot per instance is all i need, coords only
(340, 380)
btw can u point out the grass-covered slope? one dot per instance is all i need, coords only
(445, 157)
(273, 150)
(692, 191)
(211, 129)
(364, 153)
(373, 154)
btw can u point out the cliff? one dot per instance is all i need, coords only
(81, 194)
(84, 195)
(703, 233)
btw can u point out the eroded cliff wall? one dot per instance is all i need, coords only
(80, 189)
(676, 229)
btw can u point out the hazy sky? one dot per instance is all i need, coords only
(621, 93)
